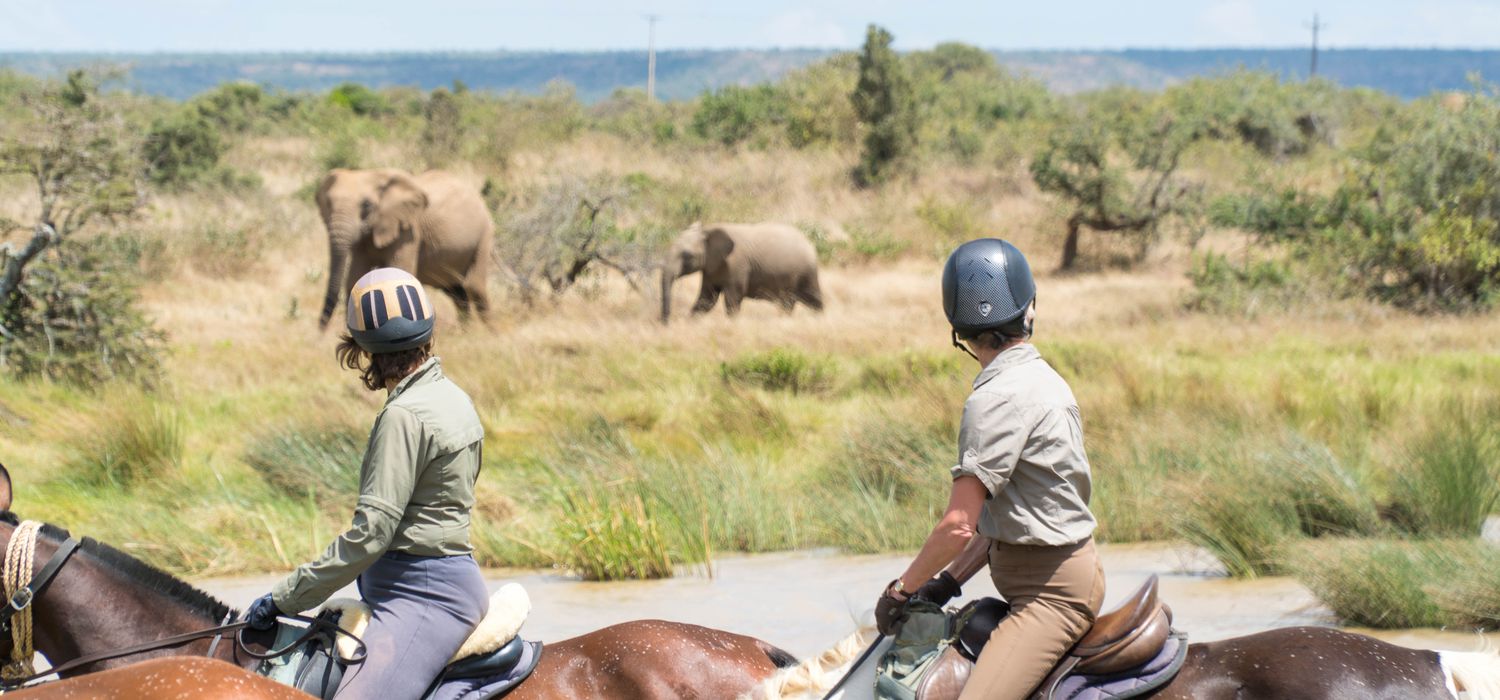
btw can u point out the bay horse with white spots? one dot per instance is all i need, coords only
(1294, 663)
(103, 600)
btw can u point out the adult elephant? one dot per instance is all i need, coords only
(432, 225)
(774, 262)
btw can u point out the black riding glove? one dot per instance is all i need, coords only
(941, 589)
(889, 611)
(262, 613)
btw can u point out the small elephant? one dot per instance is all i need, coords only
(432, 225)
(774, 262)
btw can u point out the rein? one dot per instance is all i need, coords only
(22, 590)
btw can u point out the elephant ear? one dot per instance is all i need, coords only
(717, 245)
(402, 201)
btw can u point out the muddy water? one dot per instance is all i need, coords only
(806, 601)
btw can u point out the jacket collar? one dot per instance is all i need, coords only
(1010, 357)
(430, 371)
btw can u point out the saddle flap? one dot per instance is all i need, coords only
(1134, 650)
(1122, 622)
(945, 679)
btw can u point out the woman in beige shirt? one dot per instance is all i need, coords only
(1021, 487)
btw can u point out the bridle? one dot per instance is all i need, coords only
(18, 670)
(18, 563)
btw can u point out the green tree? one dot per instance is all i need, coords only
(1117, 165)
(64, 311)
(442, 127)
(883, 101)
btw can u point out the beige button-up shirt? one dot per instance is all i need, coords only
(1023, 438)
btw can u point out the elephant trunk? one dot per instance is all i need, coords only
(338, 272)
(668, 276)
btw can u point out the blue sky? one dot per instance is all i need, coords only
(372, 25)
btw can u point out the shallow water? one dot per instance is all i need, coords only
(806, 601)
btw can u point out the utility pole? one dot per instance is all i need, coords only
(651, 58)
(1315, 26)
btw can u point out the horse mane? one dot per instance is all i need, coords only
(813, 677)
(146, 575)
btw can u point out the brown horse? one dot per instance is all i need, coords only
(103, 599)
(1295, 663)
(171, 678)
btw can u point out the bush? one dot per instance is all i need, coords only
(138, 442)
(734, 114)
(182, 148)
(306, 462)
(782, 369)
(233, 107)
(360, 100)
(75, 320)
(1417, 221)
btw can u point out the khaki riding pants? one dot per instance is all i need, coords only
(1054, 595)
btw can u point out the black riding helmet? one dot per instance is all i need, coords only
(987, 285)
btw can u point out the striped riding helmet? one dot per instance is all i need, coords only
(389, 311)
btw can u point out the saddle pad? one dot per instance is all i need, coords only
(509, 607)
(1134, 683)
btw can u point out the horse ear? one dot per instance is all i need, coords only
(5, 492)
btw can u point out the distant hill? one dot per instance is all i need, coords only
(684, 74)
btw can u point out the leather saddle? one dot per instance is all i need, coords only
(1121, 641)
(493, 651)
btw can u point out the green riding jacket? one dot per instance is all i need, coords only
(416, 488)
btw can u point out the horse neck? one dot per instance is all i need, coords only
(91, 607)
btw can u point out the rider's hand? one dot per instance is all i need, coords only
(262, 613)
(890, 610)
(941, 589)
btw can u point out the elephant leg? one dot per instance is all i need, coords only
(810, 294)
(732, 298)
(707, 297)
(460, 296)
(476, 289)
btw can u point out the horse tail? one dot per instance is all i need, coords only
(781, 657)
(813, 677)
(1474, 673)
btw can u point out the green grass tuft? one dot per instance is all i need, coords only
(782, 369)
(138, 442)
(308, 461)
(1452, 482)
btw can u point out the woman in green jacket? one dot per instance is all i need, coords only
(408, 544)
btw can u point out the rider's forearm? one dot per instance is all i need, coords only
(948, 540)
(976, 556)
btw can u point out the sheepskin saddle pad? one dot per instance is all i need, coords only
(509, 607)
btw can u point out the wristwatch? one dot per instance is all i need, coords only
(898, 590)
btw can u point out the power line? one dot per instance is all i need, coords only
(1315, 26)
(651, 57)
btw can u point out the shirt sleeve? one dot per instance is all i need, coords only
(990, 440)
(386, 479)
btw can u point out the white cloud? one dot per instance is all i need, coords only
(1229, 22)
(803, 27)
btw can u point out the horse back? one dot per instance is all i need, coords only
(1303, 663)
(651, 660)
